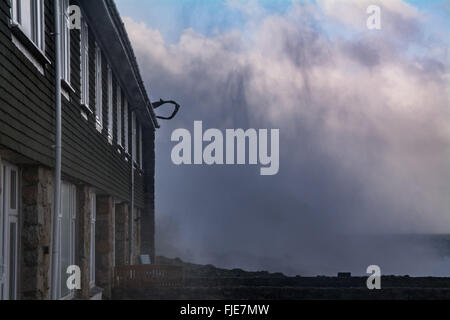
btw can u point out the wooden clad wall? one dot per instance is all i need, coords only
(27, 114)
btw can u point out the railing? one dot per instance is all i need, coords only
(142, 276)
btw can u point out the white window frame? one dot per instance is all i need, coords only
(119, 115)
(16, 13)
(34, 26)
(98, 89)
(84, 63)
(125, 125)
(71, 236)
(133, 136)
(93, 218)
(140, 146)
(110, 106)
(65, 41)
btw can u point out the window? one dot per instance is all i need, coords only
(92, 240)
(110, 105)
(2, 191)
(13, 192)
(9, 231)
(119, 115)
(133, 135)
(67, 236)
(140, 146)
(125, 125)
(113, 234)
(65, 42)
(84, 67)
(98, 89)
(13, 246)
(29, 15)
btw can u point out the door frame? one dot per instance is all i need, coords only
(10, 215)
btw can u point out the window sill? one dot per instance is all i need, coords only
(70, 296)
(29, 50)
(86, 108)
(34, 50)
(66, 86)
(138, 168)
(99, 127)
(95, 293)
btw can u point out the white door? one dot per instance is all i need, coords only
(9, 231)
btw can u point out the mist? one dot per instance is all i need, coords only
(364, 140)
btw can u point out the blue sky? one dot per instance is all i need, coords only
(172, 17)
(210, 17)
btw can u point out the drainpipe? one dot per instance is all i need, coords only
(57, 183)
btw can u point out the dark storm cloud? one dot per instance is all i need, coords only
(363, 144)
(364, 53)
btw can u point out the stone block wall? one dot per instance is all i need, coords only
(37, 207)
(36, 212)
(83, 238)
(122, 237)
(137, 235)
(104, 244)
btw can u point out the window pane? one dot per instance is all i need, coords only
(12, 259)
(16, 11)
(84, 64)
(35, 22)
(92, 255)
(66, 53)
(140, 146)
(65, 42)
(29, 15)
(65, 250)
(25, 17)
(92, 240)
(2, 187)
(119, 115)
(133, 133)
(125, 124)
(110, 105)
(98, 86)
(13, 191)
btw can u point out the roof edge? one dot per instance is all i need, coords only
(117, 21)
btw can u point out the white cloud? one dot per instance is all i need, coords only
(353, 12)
(364, 123)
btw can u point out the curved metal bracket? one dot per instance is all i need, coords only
(160, 103)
